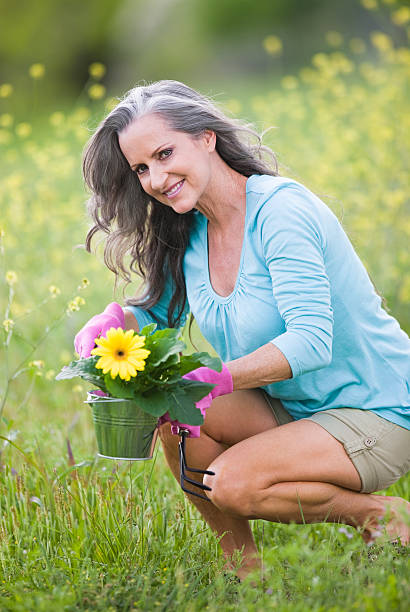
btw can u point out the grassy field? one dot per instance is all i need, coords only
(82, 533)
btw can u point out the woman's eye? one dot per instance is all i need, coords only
(140, 169)
(165, 153)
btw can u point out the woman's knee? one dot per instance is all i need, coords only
(230, 492)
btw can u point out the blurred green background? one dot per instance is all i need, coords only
(211, 44)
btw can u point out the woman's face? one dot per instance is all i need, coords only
(173, 167)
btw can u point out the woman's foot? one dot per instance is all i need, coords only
(394, 522)
(247, 566)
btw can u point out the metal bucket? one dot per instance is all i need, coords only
(123, 430)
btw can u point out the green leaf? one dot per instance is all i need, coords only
(148, 329)
(154, 402)
(182, 399)
(196, 360)
(85, 368)
(117, 387)
(162, 344)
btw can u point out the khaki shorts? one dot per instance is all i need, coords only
(379, 449)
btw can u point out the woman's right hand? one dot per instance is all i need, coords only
(113, 316)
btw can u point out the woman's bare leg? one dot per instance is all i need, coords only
(229, 420)
(299, 472)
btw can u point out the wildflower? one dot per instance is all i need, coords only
(289, 82)
(6, 90)
(74, 304)
(97, 70)
(84, 284)
(96, 91)
(6, 120)
(272, 45)
(54, 291)
(333, 38)
(8, 324)
(121, 353)
(37, 71)
(72, 307)
(11, 278)
(370, 5)
(401, 16)
(56, 119)
(37, 363)
(381, 41)
(23, 130)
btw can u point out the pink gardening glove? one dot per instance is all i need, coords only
(224, 385)
(113, 316)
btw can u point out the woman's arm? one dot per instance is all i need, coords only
(130, 321)
(264, 366)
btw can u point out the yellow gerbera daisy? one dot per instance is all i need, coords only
(120, 353)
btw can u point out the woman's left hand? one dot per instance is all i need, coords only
(223, 385)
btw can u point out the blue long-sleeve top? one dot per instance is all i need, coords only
(301, 286)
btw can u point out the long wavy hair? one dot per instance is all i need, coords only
(138, 226)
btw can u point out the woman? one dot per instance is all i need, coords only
(311, 412)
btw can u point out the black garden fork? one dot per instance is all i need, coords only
(183, 467)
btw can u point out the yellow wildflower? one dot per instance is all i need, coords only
(8, 324)
(96, 91)
(401, 16)
(72, 306)
(370, 5)
(11, 278)
(37, 71)
(272, 45)
(37, 363)
(54, 291)
(84, 284)
(289, 82)
(23, 130)
(6, 90)
(333, 38)
(97, 70)
(57, 119)
(121, 353)
(6, 120)
(381, 41)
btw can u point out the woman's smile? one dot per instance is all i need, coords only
(175, 189)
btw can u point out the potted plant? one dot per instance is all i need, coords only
(139, 378)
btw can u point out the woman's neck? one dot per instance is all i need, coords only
(224, 201)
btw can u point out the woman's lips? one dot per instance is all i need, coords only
(175, 189)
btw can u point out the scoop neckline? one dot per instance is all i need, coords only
(223, 299)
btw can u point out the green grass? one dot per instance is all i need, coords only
(107, 535)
